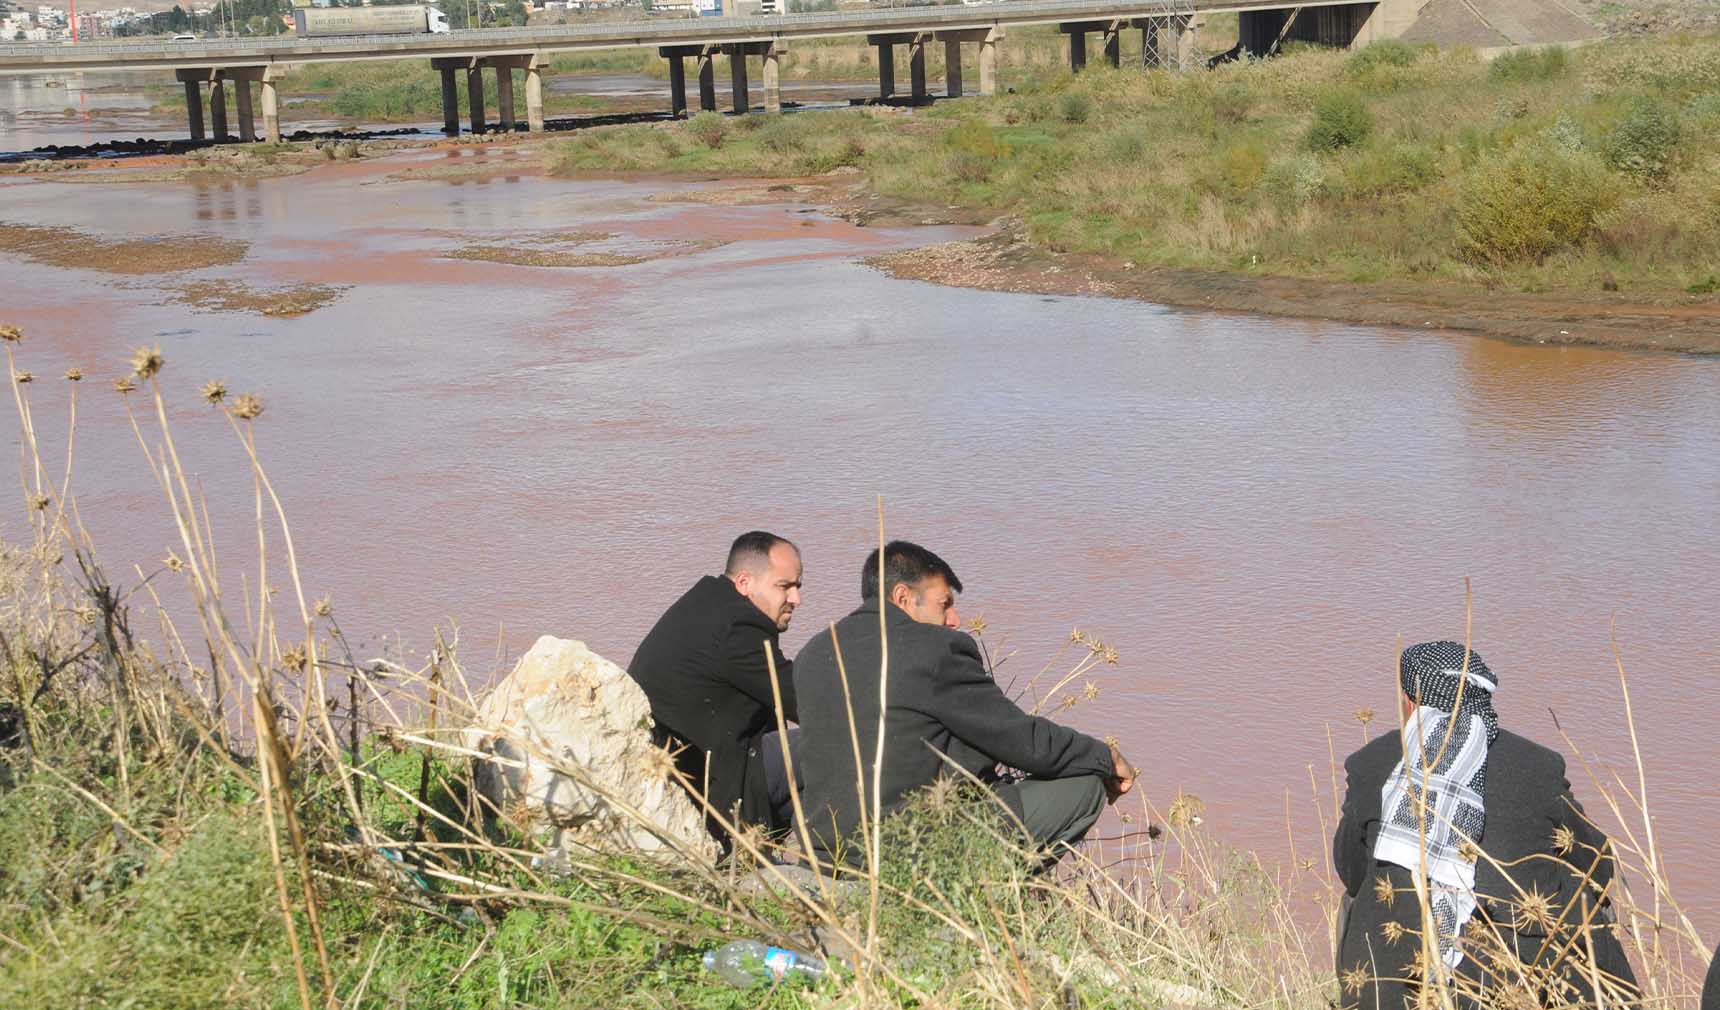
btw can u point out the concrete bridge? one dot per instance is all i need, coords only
(1167, 38)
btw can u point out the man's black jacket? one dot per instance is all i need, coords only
(703, 669)
(941, 701)
(1530, 809)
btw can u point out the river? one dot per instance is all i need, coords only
(1254, 512)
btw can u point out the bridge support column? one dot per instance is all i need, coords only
(272, 109)
(534, 94)
(247, 118)
(1077, 51)
(475, 96)
(952, 68)
(218, 109)
(450, 101)
(1188, 39)
(917, 69)
(677, 82)
(773, 53)
(738, 79)
(886, 70)
(707, 81)
(193, 102)
(988, 61)
(505, 95)
(1113, 35)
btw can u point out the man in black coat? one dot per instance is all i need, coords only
(942, 706)
(1512, 863)
(703, 668)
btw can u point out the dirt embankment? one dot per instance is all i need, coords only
(1004, 262)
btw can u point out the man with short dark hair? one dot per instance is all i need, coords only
(1514, 872)
(703, 668)
(942, 707)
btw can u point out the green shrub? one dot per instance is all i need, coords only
(1644, 141)
(1524, 65)
(1364, 61)
(1295, 182)
(1529, 201)
(1075, 107)
(975, 137)
(1237, 168)
(1341, 119)
(1396, 167)
(709, 128)
(782, 135)
(1703, 111)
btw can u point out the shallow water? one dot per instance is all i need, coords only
(1253, 512)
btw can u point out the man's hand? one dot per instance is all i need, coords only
(1122, 775)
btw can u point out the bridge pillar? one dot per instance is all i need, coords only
(1077, 51)
(773, 53)
(218, 109)
(1113, 35)
(988, 61)
(272, 109)
(707, 80)
(505, 95)
(738, 79)
(677, 81)
(952, 68)
(247, 118)
(450, 102)
(917, 69)
(475, 96)
(886, 70)
(193, 104)
(1188, 38)
(534, 94)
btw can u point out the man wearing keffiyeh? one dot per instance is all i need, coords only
(1485, 820)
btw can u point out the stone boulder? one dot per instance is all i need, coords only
(569, 734)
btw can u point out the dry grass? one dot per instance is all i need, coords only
(68, 247)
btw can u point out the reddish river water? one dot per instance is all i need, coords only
(1252, 511)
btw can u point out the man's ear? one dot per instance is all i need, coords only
(743, 581)
(901, 594)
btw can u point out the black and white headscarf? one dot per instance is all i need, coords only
(1452, 774)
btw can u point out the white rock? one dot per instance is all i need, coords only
(572, 733)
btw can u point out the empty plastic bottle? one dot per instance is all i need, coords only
(745, 963)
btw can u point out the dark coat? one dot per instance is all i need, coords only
(1711, 991)
(941, 700)
(1528, 800)
(703, 668)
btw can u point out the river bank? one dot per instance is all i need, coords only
(1556, 198)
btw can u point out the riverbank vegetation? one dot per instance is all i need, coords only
(207, 800)
(1543, 171)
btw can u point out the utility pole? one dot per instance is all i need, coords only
(73, 18)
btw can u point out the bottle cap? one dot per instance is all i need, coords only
(710, 960)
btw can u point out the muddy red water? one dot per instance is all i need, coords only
(1253, 512)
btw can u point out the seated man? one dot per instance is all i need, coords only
(941, 703)
(703, 669)
(1512, 864)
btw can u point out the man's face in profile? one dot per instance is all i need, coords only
(929, 601)
(775, 589)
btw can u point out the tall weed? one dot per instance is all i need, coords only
(1531, 200)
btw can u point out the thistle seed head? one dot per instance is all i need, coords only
(1564, 840)
(146, 362)
(1393, 931)
(1534, 910)
(123, 386)
(248, 407)
(976, 626)
(1384, 892)
(324, 607)
(22, 377)
(1364, 715)
(1469, 852)
(173, 563)
(294, 658)
(74, 375)
(11, 334)
(40, 502)
(1355, 979)
(213, 391)
(1090, 691)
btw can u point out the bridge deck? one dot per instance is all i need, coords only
(34, 58)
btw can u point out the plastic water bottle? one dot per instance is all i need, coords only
(745, 963)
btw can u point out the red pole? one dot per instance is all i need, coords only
(73, 17)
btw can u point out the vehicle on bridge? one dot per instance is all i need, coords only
(322, 22)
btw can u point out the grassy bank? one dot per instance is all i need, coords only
(1594, 170)
(225, 808)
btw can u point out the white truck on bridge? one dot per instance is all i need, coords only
(323, 22)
